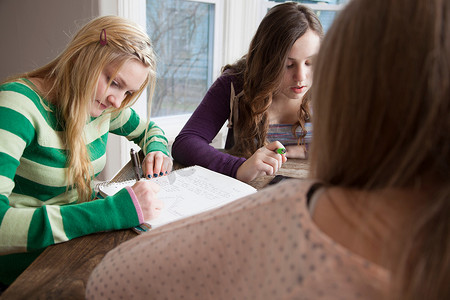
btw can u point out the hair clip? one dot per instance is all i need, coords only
(103, 40)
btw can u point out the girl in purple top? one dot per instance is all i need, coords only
(264, 96)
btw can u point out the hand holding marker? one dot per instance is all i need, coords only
(267, 160)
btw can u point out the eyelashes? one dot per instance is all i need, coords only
(117, 85)
(306, 63)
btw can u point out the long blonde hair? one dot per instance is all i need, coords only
(262, 69)
(74, 76)
(381, 100)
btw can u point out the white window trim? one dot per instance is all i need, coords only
(313, 6)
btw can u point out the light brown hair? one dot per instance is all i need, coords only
(262, 69)
(381, 100)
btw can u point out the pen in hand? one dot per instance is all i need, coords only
(135, 162)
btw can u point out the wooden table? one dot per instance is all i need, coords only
(296, 168)
(62, 270)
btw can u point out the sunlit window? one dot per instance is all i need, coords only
(183, 36)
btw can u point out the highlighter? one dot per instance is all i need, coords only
(281, 150)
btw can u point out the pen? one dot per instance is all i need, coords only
(135, 162)
(281, 150)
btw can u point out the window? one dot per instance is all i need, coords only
(182, 33)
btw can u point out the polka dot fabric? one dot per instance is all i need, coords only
(263, 246)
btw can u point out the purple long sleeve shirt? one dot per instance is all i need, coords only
(192, 145)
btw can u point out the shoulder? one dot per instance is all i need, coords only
(287, 192)
(18, 89)
(237, 79)
(21, 98)
(225, 80)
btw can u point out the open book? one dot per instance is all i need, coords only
(186, 192)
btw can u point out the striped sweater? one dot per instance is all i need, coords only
(36, 208)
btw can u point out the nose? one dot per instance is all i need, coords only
(115, 100)
(301, 73)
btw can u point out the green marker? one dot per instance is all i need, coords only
(281, 150)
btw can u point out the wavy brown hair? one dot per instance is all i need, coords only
(262, 69)
(74, 76)
(382, 120)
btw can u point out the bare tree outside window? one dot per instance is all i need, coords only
(182, 34)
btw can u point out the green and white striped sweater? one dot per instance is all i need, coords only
(35, 209)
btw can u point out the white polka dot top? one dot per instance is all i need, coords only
(263, 246)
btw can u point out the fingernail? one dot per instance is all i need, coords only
(161, 173)
(155, 175)
(149, 176)
(166, 172)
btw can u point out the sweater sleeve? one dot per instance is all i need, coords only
(128, 123)
(192, 145)
(34, 214)
(26, 231)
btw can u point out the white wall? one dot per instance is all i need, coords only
(239, 14)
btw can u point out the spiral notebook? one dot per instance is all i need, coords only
(187, 192)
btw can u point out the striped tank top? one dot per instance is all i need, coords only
(283, 134)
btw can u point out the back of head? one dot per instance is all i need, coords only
(382, 90)
(381, 100)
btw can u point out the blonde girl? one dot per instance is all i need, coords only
(54, 127)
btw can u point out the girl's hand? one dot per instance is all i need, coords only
(145, 192)
(265, 161)
(156, 164)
